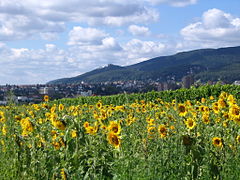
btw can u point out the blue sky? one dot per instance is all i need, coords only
(45, 40)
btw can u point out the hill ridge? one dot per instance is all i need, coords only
(205, 64)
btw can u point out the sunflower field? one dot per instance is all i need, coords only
(133, 138)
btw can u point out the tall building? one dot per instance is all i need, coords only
(46, 90)
(187, 81)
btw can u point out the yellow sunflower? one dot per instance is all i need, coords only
(162, 130)
(217, 142)
(211, 98)
(182, 109)
(215, 108)
(2, 117)
(59, 124)
(238, 139)
(61, 107)
(113, 139)
(74, 133)
(231, 100)
(190, 123)
(63, 174)
(92, 129)
(237, 119)
(114, 127)
(234, 110)
(151, 130)
(46, 98)
(86, 124)
(205, 118)
(221, 103)
(99, 105)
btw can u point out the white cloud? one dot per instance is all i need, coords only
(144, 15)
(34, 66)
(139, 30)
(27, 18)
(137, 50)
(15, 27)
(85, 36)
(177, 3)
(111, 44)
(216, 29)
(50, 47)
(31, 66)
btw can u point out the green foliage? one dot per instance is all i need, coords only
(49, 151)
(179, 95)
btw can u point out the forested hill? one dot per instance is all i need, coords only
(205, 64)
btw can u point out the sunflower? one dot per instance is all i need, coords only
(215, 108)
(46, 98)
(61, 107)
(91, 130)
(27, 126)
(237, 119)
(16, 117)
(114, 127)
(58, 143)
(2, 117)
(130, 119)
(63, 174)
(201, 108)
(203, 100)
(217, 142)
(211, 98)
(182, 109)
(86, 124)
(151, 130)
(74, 133)
(44, 105)
(238, 139)
(231, 100)
(99, 105)
(113, 139)
(190, 123)
(53, 108)
(221, 103)
(151, 122)
(103, 127)
(162, 130)
(4, 130)
(234, 110)
(223, 95)
(205, 118)
(59, 124)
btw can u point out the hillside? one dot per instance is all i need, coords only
(205, 64)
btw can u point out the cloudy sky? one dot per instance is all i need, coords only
(50, 39)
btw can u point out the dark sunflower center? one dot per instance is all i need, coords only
(182, 109)
(115, 140)
(217, 141)
(115, 129)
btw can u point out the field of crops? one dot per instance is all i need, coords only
(142, 136)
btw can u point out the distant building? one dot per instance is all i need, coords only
(187, 81)
(86, 93)
(160, 87)
(236, 83)
(22, 99)
(46, 90)
(3, 102)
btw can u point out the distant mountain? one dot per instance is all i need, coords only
(205, 64)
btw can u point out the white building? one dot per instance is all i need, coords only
(46, 90)
(236, 83)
